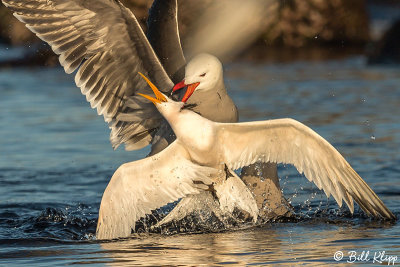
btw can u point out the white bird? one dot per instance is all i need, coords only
(206, 90)
(196, 161)
(104, 44)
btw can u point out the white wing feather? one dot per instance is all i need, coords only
(139, 187)
(289, 141)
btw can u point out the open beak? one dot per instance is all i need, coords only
(189, 91)
(159, 96)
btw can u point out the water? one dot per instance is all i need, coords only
(56, 160)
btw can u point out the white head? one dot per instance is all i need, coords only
(203, 72)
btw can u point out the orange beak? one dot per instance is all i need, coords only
(159, 96)
(189, 91)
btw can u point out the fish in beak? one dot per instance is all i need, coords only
(189, 91)
(159, 96)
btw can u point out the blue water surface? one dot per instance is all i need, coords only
(56, 160)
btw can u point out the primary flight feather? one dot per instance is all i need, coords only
(203, 145)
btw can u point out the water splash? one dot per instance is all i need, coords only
(67, 223)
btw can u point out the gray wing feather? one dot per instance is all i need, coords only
(103, 41)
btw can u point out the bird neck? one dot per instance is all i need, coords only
(170, 110)
(184, 123)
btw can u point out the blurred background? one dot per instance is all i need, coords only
(311, 60)
(290, 30)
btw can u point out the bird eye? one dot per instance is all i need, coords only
(202, 75)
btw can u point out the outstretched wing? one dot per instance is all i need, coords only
(139, 187)
(103, 41)
(289, 141)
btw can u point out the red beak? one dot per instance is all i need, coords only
(178, 86)
(189, 91)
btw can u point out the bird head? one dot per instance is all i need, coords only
(162, 102)
(203, 72)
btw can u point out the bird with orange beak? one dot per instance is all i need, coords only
(102, 43)
(204, 157)
(203, 90)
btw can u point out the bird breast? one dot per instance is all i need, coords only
(197, 134)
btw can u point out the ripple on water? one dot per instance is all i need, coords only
(56, 161)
